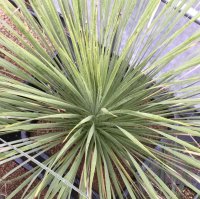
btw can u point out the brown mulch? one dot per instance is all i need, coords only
(188, 194)
(7, 187)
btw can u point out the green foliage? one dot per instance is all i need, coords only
(107, 109)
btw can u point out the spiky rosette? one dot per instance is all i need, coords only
(103, 104)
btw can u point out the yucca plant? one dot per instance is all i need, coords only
(104, 101)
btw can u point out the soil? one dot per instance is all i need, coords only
(188, 194)
(7, 188)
